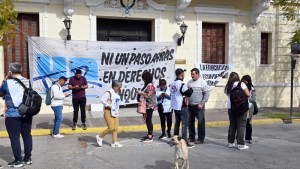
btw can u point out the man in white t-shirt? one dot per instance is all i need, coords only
(179, 91)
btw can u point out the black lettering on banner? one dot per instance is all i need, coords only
(118, 59)
(171, 54)
(106, 58)
(105, 77)
(166, 55)
(132, 58)
(127, 76)
(139, 76)
(122, 76)
(128, 95)
(148, 58)
(133, 76)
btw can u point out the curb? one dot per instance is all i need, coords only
(136, 128)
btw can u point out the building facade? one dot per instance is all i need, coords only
(250, 34)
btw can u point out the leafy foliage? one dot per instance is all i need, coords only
(8, 16)
(290, 10)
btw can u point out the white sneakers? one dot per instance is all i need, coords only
(58, 135)
(99, 140)
(231, 145)
(242, 147)
(239, 146)
(116, 144)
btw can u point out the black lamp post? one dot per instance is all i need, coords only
(68, 23)
(183, 28)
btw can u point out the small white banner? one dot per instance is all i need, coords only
(213, 73)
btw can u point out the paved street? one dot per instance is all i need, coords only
(276, 146)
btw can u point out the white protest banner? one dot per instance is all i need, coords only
(100, 62)
(213, 73)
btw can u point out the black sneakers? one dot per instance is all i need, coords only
(27, 161)
(83, 126)
(163, 136)
(1, 166)
(16, 164)
(169, 135)
(147, 139)
(74, 126)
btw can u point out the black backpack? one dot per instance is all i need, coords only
(239, 100)
(31, 102)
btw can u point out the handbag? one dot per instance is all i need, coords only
(141, 106)
(255, 108)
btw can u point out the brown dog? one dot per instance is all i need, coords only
(181, 152)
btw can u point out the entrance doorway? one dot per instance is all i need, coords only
(123, 30)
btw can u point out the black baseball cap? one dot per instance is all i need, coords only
(179, 71)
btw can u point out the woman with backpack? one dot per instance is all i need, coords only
(237, 119)
(148, 93)
(252, 100)
(164, 108)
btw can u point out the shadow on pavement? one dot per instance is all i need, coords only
(6, 154)
(160, 164)
(44, 125)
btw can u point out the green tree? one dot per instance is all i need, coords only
(291, 11)
(8, 17)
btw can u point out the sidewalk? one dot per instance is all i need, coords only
(131, 121)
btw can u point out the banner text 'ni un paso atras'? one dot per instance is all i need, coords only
(100, 62)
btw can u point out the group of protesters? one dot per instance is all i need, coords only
(187, 101)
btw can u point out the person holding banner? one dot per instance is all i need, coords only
(197, 105)
(111, 101)
(78, 84)
(179, 91)
(149, 93)
(252, 99)
(163, 107)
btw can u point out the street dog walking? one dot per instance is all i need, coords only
(181, 152)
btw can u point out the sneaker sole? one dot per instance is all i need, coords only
(147, 141)
(191, 147)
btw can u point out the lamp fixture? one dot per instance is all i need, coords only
(68, 23)
(183, 28)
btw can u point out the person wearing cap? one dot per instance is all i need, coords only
(197, 105)
(179, 91)
(78, 84)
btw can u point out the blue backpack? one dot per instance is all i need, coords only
(48, 99)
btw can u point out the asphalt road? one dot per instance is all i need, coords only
(276, 146)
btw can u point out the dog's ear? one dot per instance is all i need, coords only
(179, 138)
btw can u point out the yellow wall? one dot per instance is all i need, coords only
(242, 45)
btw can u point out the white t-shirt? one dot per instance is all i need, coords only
(243, 86)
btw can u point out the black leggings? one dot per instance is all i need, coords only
(163, 118)
(149, 123)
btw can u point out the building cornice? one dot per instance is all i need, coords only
(216, 10)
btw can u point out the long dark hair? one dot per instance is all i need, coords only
(249, 81)
(147, 77)
(233, 77)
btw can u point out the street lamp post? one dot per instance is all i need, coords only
(68, 23)
(183, 28)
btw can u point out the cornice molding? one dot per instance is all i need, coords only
(180, 8)
(156, 6)
(94, 3)
(217, 10)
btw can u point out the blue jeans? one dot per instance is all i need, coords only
(58, 118)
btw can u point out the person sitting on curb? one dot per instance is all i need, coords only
(111, 100)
